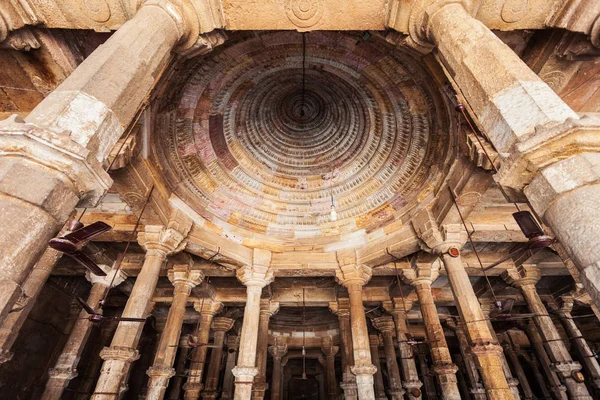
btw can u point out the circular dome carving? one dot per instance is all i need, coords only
(248, 151)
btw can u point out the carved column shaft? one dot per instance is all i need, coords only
(267, 309)
(349, 380)
(330, 351)
(514, 359)
(377, 377)
(233, 343)
(476, 387)
(220, 327)
(177, 380)
(386, 326)
(277, 351)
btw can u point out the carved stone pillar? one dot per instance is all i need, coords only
(72, 130)
(525, 279)
(537, 343)
(514, 359)
(428, 382)
(65, 368)
(184, 279)
(476, 387)
(385, 325)
(267, 309)
(353, 277)
(158, 242)
(330, 351)
(399, 308)
(590, 363)
(277, 351)
(342, 309)
(549, 156)
(444, 368)
(220, 327)
(208, 309)
(177, 380)
(255, 278)
(233, 343)
(377, 377)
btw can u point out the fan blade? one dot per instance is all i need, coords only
(87, 232)
(85, 306)
(508, 257)
(87, 262)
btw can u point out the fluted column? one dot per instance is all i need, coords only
(73, 130)
(399, 309)
(184, 279)
(65, 368)
(342, 309)
(353, 277)
(158, 242)
(255, 278)
(514, 359)
(208, 309)
(590, 363)
(233, 344)
(385, 325)
(476, 387)
(267, 309)
(377, 377)
(525, 278)
(330, 351)
(221, 326)
(445, 370)
(277, 351)
(177, 380)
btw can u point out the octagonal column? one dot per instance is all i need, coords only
(267, 309)
(60, 147)
(277, 351)
(184, 279)
(177, 380)
(342, 309)
(233, 343)
(385, 325)
(255, 278)
(330, 351)
(399, 309)
(443, 367)
(208, 309)
(65, 368)
(158, 242)
(353, 277)
(548, 153)
(525, 278)
(590, 363)
(221, 326)
(378, 376)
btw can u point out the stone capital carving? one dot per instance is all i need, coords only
(268, 308)
(341, 308)
(62, 373)
(444, 368)
(522, 277)
(352, 275)
(255, 275)
(120, 353)
(233, 342)
(244, 374)
(567, 305)
(364, 369)
(566, 369)
(423, 273)
(486, 349)
(330, 350)
(222, 324)
(374, 341)
(278, 350)
(161, 371)
(113, 277)
(434, 238)
(208, 307)
(182, 275)
(384, 324)
(166, 240)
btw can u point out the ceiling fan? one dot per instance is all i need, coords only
(72, 243)
(99, 318)
(503, 312)
(538, 240)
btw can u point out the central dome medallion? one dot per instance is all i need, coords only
(262, 159)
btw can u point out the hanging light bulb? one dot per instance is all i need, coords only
(333, 213)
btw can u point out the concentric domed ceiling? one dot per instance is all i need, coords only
(236, 145)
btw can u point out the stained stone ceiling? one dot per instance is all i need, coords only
(375, 137)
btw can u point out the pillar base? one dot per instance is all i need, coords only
(350, 389)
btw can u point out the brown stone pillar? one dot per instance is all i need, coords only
(220, 327)
(353, 277)
(514, 359)
(184, 279)
(233, 343)
(277, 351)
(330, 351)
(208, 309)
(590, 363)
(158, 242)
(177, 380)
(254, 277)
(377, 377)
(399, 309)
(267, 309)
(342, 309)
(525, 279)
(444, 368)
(428, 382)
(65, 368)
(72, 130)
(385, 325)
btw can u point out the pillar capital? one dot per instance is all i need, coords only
(437, 239)
(222, 324)
(278, 350)
(353, 275)
(384, 324)
(255, 275)
(62, 373)
(233, 342)
(374, 340)
(425, 272)
(120, 353)
(268, 308)
(522, 277)
(341, 308)
(567, 305)
(245, 374)
(113, 277)
(330, 350)
(166, 240)
(208, 307)
(363, 369)
(161, 371)
(182, 275)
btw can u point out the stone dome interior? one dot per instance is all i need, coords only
(265, 134)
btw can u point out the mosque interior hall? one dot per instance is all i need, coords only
(300, 199)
